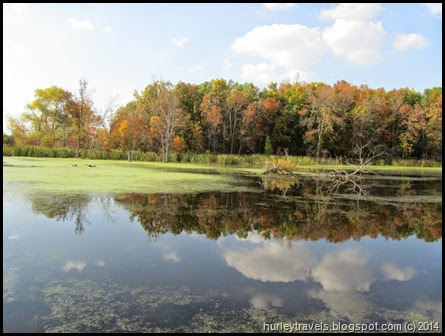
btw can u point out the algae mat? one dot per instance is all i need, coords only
(80, 175)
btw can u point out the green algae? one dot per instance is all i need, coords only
(73, 175)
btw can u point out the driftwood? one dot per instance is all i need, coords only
(354, 179)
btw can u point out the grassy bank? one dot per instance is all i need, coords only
(254, 160)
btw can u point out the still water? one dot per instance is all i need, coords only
(287, 250)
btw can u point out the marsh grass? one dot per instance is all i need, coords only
(253, 160)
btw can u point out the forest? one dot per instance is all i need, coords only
(225, 117)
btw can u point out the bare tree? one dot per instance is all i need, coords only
(354, 178)
(170, 118)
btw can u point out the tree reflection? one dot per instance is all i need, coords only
(220, 214)
(306, 213)
(63, 208)
(69, 208)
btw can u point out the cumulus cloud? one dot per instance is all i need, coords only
(264, 73)
(69, 265)
(180, 42)
(273, 262)
(81, 24)
(107, 30)
(393, 272)
(265, 301)
(292, 46)
(278, 6)
(352, 11)
(289, 50)
(345, 271)
(355, 40)
(434, 8)
(409, 41)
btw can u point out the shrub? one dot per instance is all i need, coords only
(279, 166)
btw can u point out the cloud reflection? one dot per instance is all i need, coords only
(172, 256)
(69, 265)
(344, 271)
(393, 272)
(273, 262)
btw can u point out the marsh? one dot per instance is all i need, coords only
(198, 249)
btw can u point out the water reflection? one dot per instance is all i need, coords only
(63, 208)
(217, 214)
(393, 272)
(272, 260)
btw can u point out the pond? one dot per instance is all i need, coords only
(271, 250)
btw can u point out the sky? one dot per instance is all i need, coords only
(119, 48)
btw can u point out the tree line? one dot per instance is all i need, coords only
(219, 116)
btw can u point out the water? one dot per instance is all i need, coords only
(288, 250)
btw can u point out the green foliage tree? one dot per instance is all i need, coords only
(268, 146)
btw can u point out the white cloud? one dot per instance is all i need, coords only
(288, 50)
(107, 30)
(292, 46)
(273, 262)
(355, 40)
(261, 73)
(264, 73)
(265, 301)
(180, 42)
(14, 237)
(81, 24)
(409, 41)
(172, 256)
(195, 68)
(397, 273)
(352, 11)
(434, 8)
(278, 6)
(344, 271)
(69, 265)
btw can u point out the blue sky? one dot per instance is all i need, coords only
(122, 47)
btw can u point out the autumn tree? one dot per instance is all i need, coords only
(319, 118)
(81, 111)
(129, 129)
(48, 114)
(167, 117)
(18, 130)
(434, 126)
(212, 117)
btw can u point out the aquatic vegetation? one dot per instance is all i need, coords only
(77, 305)
(56, 175)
